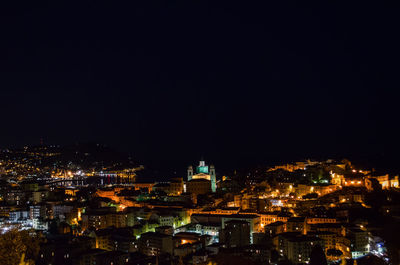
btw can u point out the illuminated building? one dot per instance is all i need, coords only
(272, 217)
(336, 228)
(330, 238)
(297, 247)
(152, 244)
(321, 190)
(203, 172)
(294, 166)
(128, 175)
(37, 211)
(320, 220)
(15, 197)
(166, 230)
(18, 216)
(30, 186)
(198, 186)
(112, 239)
(336, 178)
(71, 192)
(211, 229)
(359, 242)
(224, 211)
(97, 221)
(103, 218)
(274, 228)
(354, 181)
(251, 202)
(201, 257)
(163, 187)
(182, 238)
(296, 224)
(174, 187)
(350, 198)
(166, 220)
(387, 182)
(144, 186)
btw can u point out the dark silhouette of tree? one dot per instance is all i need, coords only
(310, 196)
(370, 260)
(229, 259)
(274, 255)
(317, 256)
(285, 262)
(376, 186)
(334, 252)
(53, 227)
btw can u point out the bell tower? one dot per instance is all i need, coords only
(213, 179)
(189, 173)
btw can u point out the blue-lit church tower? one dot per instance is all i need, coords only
(203, 171)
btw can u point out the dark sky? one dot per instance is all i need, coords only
(234, 81)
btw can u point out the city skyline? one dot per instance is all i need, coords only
(166, 168)
(199, 132)
(300, 212)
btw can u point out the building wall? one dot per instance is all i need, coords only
(152, 244)
(235, 234)
(198, 187)
(299, 251)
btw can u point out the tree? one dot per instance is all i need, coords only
(229, 259)
(310, 196)
(334, 252)
(274, 255)
(285, 262)
(317, 256)
(18, 247)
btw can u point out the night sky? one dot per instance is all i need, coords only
(238, 82)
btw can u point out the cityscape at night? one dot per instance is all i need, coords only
(78, 206)
(199, 132)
